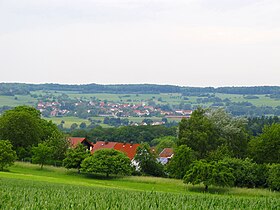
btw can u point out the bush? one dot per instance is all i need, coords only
(274, 177)
(7, 155)
(107, 161)
(247, 173)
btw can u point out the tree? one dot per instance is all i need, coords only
(59, 144)
(274, 177)
(180, 162)
(220, 153)
(246, 172)
(75, 156)
(198, 133)
(231, 131)
(164, 142)
(74, 126)
(266, 143)
(83, 125)
(107, 161)
(213, 173)
(41, 154)
(24, 127)
(7, 154)
(147, 161)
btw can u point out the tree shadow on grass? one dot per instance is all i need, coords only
(211, 189)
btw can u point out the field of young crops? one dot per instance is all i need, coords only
(27, 194)
(25, 186)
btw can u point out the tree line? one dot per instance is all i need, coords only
(23, 89)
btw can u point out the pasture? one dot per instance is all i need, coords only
(25, 186)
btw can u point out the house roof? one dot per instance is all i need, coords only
(74, 141)
(166, 152)
(103, 145)
(128, 149)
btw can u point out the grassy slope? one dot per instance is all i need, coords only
(28, 187)
(26, 171)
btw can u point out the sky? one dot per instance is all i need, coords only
(179, 42)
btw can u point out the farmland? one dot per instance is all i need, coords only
(27, 187)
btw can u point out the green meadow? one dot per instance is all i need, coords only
(26, 186)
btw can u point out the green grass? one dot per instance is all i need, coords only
(17, 100)
(25, 186)
(68, 121)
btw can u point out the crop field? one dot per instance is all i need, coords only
(28, 187)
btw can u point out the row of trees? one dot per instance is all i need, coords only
(215, 148)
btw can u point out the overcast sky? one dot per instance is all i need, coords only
(181, 42)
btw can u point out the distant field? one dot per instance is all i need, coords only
(28, 187)
(17, 100)
(68, 121)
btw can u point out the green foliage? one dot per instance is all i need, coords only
(274, 177)
(42, 154)
(7, 154)
(24, 128)
(266, 147)
(134, 134)
(246, 172)
(198, 133)
(164, 142)
(212, 173)
(231, 131)
(75, 156)
(108, 161)
(180, 162)
(147, 161)
(220, 153)
(60, 144)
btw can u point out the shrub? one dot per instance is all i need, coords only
(7, 155)
(274, 177)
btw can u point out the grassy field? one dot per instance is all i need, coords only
(17, 100)
(25, 186)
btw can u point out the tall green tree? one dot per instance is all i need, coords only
(231, 130)
(180, 162)
(198, 133)
(147, 161)
(7, 154)
(41, 154)
(75, 156)
(24, 127)
(60, 145)
(107, 161)
(266, 147)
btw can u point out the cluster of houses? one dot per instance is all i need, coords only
(127, 148)
(107, 109)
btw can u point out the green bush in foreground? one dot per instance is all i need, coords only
(7, 155)
(107, 161)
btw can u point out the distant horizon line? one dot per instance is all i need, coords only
(111, 84)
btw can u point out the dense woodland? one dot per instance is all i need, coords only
(21, 88)
(211, 147)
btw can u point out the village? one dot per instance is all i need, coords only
(87, 109)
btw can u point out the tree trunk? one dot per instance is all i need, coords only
(206, 188)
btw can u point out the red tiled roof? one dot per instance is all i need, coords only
(128, 149)
(103, 145)
(166, 152)
(76, 140)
